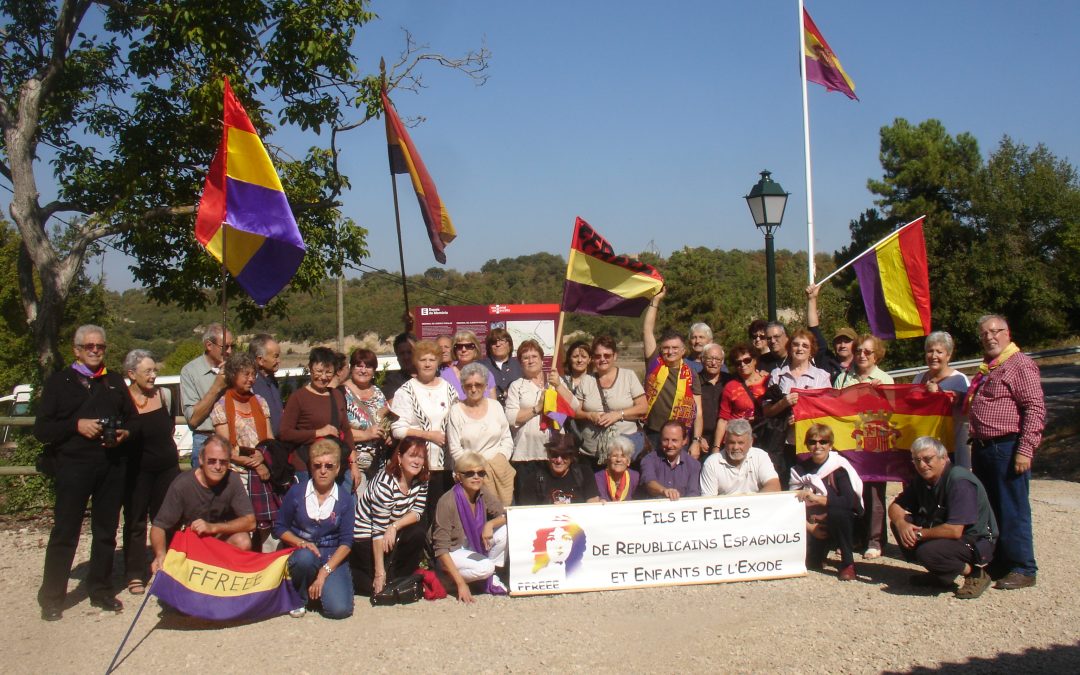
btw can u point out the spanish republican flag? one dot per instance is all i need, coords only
(405, 159)
(556, 410)
(895, 284)
(600, 282)
(822, 66)
(207, 578)
(874, 425)
(244, 219)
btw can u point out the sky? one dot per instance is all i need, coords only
(652, 120)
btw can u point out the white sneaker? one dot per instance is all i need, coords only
(871, 553)
(298, 613)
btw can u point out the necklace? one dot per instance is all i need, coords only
(146, 400)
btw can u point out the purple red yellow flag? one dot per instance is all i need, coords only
(895, 283)
(875, 424)
(405, 159)
(555, 411)
(207, 578)
(600, 282)
(822, 66)
(243, 213)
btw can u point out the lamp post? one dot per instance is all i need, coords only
(767, 201)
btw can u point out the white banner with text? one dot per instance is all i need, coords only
(703, 540)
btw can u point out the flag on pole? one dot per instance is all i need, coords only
(405, 159)
(244, 197)
(874, 425)
(822, 66)
(600, 282)
(209, 579)
(895, 284)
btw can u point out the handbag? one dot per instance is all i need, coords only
(593, 437)
(400, 591)
(770, 433)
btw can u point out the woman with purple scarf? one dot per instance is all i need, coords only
(469, 532)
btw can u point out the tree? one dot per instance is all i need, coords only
(123, 101)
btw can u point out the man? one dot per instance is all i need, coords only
(670, 471)
(776, 336)
(80, 421)
(1006, 413)
(267, 353)
(210, 501)
(559, 480)
(713, 379)
(739, 468)
(838, 359)
(202, 383)
(446, 351)
(698, 336)
(755, 332)
(943, 521)
(673, 392)
(500, 362)
(403, 346)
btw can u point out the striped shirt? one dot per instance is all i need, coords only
(383, 503)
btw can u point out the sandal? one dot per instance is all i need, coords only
(136, 587)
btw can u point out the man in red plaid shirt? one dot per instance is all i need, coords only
(1007, 412)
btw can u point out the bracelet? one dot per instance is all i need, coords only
(622, 414)
(327, 568)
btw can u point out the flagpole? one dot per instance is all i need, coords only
(397, 212)
(224, 283)
(556, 361)
(849, 263)
(806, 148)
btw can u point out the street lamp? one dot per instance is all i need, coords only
(767, 201)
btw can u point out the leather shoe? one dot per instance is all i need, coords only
(51, 614)
(107, 604)
(847, 573)
(1015, 580)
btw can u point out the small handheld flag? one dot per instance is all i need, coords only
(600, 282)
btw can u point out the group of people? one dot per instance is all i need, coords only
(365, 481)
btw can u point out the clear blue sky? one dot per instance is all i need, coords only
(652, 120)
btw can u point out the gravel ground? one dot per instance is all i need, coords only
(808, 624)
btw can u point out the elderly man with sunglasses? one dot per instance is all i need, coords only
(202, 383)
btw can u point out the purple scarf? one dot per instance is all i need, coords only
(473, 524)
(80, 368)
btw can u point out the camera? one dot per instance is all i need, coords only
(109, 426)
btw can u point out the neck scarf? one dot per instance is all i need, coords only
(620, 492)
(473, 524)
(984, 371)
(682, 407)
(813, 479)
(80, 368)
(231, 398)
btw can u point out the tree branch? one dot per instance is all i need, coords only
(54, 207)
(70, 16)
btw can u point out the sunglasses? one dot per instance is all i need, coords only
(758, 336)
(744, 361)
(210, 461)
(559, 456)
(319, 466)
(92, 347)
(464, 346)
(818, 441)
(474, 474)
(865, 352)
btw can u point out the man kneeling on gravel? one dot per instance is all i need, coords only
(944, 522)
(210, 501)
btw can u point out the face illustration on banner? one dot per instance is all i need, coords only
(558, 550)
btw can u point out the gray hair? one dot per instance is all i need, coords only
(470, 460)
(940, 337)
(738, 427)
(710, 346)
(88, 329)
(701, 328)
(213, 332)
(927, 443)
(990, 317)
(617, 442)
(475, 369)
(135, 357)
(258, 345)
(777, 324)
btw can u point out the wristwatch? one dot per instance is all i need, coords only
(918, 535)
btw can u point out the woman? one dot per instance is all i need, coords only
(612, 401)
(478, 425)
(577, 365)
(243, 417)
(387, 541)
(317, 518)
(742, 397)
(466, 351)
(316, 411)
(153, 462)
(525, 403)
(797, 373)
(940, 376)
(832, 491)
(617, 482)
(422, 406)
(469, 533)
(365, 406)
(869, 351)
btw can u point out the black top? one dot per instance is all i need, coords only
(837, 486)
(151, 446)
(535, 484)
(68, 397)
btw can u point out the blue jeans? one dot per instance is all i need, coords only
(337, 590)
(1008, 494)
(198, 440)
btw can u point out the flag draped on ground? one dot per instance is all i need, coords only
(600, 282)
(822, 66)
(895, 284)
(244, 214)
(405, 159)
(875, 424)
(207, 578)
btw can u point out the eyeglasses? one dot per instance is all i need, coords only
(773, 338)
(210, 461)
(744, 361)
(558, 457)
(92, 346)
(603, 357)
(472, 386)
(757, 336)
(818, 441)
(990, 332)
(924, 460)
(712, 359)
(499, 341)
(225, 347)
(464, 346)
(474, 474)
(865, 352)
(319, 466)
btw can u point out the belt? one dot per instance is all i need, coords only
(199, 432)
(986, 442)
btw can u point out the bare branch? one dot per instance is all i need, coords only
(71, 15)
(54, 207)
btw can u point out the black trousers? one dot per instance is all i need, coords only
(77, 483)
(143, 494)
(944, 558)
(403, 560)
(840, 522)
